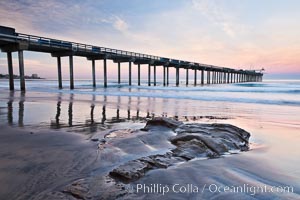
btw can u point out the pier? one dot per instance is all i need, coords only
(11, 41)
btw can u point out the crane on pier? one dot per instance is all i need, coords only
(259, 70)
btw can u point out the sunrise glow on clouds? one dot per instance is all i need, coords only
(239, 34)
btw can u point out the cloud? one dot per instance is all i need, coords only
(114, 21)
(36, 17)
(120, 24)
(218, 15)
(205, 31)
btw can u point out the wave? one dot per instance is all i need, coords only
(215, 88)
(172, 95)
(260, 93)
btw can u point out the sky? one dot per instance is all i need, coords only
(241, 34)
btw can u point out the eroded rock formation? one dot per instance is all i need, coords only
(192, 140)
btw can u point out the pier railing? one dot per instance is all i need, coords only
(74, 46)
(80, 47)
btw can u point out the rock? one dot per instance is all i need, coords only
(164, 161)
(131, 170)
(193, 149)
(162, 121)
(136, 169)
(184, 138)
(78, 189)
(220, 138)
(192, 141)
(94, 139)
(102, 141)
(119, 133)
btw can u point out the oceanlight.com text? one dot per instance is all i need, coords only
(211, 188)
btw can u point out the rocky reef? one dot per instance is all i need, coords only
(192, 140)
(187, 141)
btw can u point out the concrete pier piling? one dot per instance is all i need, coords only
(59, 75)
(187, 77)
(208, 77)
(202, 77)
(195, 77)
(21, 70)
(164, 75)
(154, 74)
(177, 76)
(214, 77)
(149, 75)
(94, 73)
(105, 72)
(167, 75)
(130, 73)
(119, 72)
(228, 77)
(10, 71)
(139, 74)
(71, 72)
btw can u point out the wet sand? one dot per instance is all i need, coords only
(270, 163)
(50, 141)
(34, 162)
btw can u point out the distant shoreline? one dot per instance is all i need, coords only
(25, 78)
(6, 76)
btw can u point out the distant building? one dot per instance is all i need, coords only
(34, 76)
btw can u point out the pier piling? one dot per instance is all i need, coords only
(187, 77)
(94, 73)
(228, 74)
(71, 72)
(130, 74)
(119, 72)
(59, 72)
(195, 77)
(10, 71)
(139, 74)
(164, 76)
(202, 77)
(21, 70)
(149, 75)
(105, 72)
(167, 75)
(154, 74)
(207, 77)
(177, 76)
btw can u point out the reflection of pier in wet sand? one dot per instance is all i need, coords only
(64, 114)
(10, 109)
(99, 112)
(92, 121)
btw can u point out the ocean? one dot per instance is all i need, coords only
(273, 99)
(268, 110)
(270, 92)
